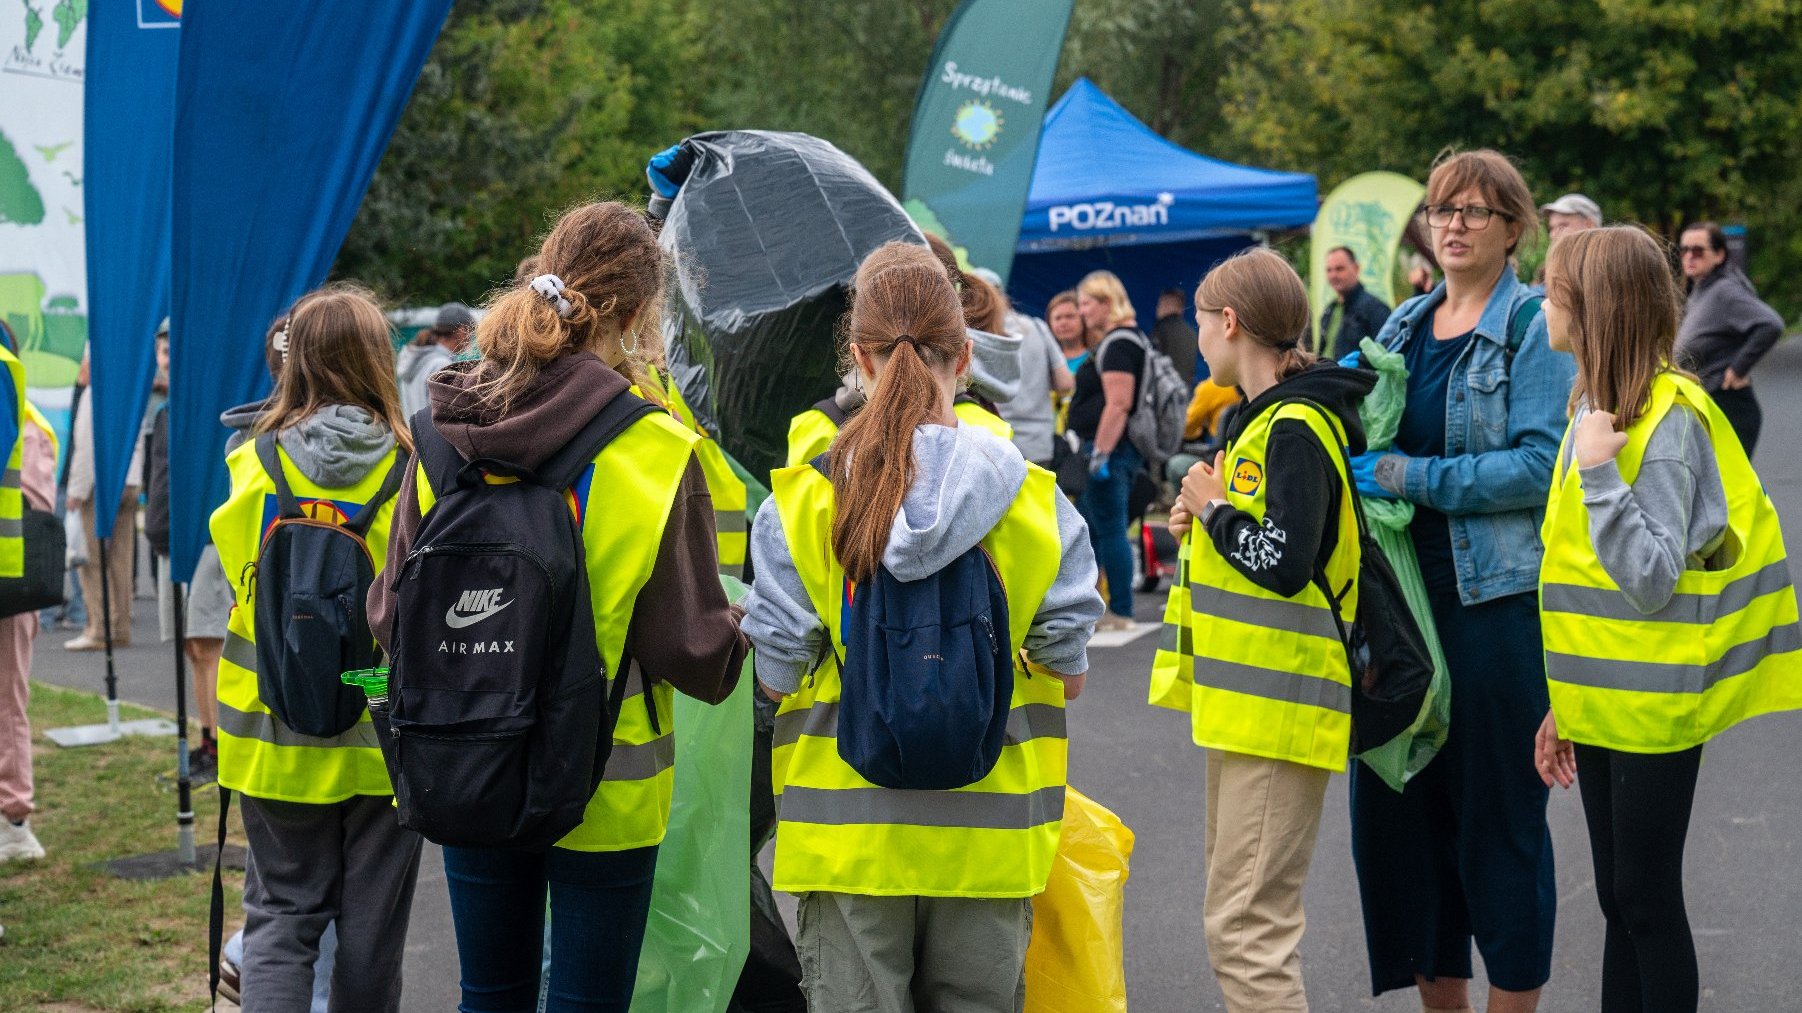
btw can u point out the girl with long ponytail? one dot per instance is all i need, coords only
(906, 489)
(558, 349)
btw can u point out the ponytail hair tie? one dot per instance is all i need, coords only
(909, 339)
(551, 288)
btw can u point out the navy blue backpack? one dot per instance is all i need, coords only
(928, 674)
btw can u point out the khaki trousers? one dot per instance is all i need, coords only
(862, 954)
(1262, 818)
(120, 555)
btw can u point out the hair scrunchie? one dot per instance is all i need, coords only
(551, 287)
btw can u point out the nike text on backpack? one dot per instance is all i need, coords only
(1161, 409)
(312, 578)
(927, 679)
(1391, 668)
(499, 721)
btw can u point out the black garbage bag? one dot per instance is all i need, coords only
(766, 235)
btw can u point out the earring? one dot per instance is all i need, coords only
(631, 349)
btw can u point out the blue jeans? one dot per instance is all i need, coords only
(599, 903)
(1103, 506)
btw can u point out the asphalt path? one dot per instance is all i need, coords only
(1745, 894)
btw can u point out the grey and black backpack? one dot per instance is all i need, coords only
(312, 578)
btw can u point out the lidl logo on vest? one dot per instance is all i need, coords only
(474, 607)
(1248, 475)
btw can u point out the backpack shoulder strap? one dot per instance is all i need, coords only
(831, 409)
(441, 461)
(567, 464)
(1521, 322)
(360, 524)
(271, 459)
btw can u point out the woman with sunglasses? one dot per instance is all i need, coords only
(1726, 328)
(1463, 853)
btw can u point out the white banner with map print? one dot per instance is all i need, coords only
(43, 265)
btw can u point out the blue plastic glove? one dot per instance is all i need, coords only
(1354, 360)
(1364, 475)
(668, 170)
(1098, 467)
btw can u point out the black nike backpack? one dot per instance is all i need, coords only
(499, 720)
(312, 579)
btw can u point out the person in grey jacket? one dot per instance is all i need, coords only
(1725, 330)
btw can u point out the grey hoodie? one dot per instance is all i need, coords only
(966, 480)
(413, 369)
(337, 445)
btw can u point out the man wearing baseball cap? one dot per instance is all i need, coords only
(1570, 213)
(431, 351)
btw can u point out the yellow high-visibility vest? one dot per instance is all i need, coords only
(724, 486)
(811, 433)
(12, 496)
(1259, 673)
(1725, 648)
(839, 832)
(258, 755)
(633, 484)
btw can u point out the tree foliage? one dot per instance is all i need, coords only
(1663, 110)
(525, 107)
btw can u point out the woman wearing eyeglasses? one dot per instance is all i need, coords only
(1463, 853)
(1726, 328)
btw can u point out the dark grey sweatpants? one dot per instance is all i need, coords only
(348, 862)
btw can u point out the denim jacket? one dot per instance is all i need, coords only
(1503, 424)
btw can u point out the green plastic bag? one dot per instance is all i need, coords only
(699, 931)
(1409, 753)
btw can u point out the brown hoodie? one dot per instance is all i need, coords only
(683, 631)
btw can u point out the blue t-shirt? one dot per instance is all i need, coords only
(1422, 434)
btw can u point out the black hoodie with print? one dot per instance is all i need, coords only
(1302, 487)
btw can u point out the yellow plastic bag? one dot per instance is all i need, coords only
(1076, 962)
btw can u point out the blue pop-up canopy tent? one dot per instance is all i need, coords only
(1108, 192)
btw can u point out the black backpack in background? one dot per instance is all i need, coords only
(1391, 668)
(312, 579)
(499, 721)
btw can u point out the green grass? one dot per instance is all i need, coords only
(77, 938)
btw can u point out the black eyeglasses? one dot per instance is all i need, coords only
(1476, 216)
(1693, 251)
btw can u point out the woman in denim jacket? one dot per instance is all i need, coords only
(1464, 852)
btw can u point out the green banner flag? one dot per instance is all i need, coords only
(976, 123)
(1368, 214)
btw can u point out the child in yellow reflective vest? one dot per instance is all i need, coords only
(1665, 599)
(915, 896)
(1254, 652)
(318, 812)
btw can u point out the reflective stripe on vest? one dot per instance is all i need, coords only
(839, 832)
(12, 497)
(811, 433)
(724, 487)
(1259, 673)
(258, 755)
(628, 496)
(1727, 646)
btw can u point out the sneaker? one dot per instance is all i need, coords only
(203, 767)
(1113, 623)
(83, 643)
(18, 842)
(228, 980)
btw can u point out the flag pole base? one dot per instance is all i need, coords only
(169, 864)
(96, 735)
